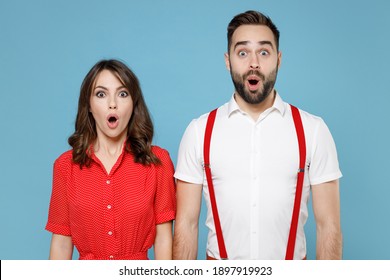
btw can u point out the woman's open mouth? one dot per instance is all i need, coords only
(112, 121)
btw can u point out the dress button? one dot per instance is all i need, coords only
(110, 233)
(108, 206)
(108, 182)
(111, 257)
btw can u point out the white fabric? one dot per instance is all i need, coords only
(254, 167)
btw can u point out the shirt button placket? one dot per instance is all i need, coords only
(109, 218)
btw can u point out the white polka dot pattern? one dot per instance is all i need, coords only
(112, 216)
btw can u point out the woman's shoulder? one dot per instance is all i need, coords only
(64, 159)
(161, 153)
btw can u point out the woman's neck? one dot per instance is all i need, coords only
(108, 150)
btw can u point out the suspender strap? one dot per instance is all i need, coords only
(301, 173)
(298, 192)
(206, 158)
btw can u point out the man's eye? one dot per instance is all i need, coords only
(123, 94)
(100, 94)
(264, 52)
(242, 53)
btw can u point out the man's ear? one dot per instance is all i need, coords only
(279, 59)
(227, 62)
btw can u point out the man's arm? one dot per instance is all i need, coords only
(185, 240)
(61, 247)
(326, 207)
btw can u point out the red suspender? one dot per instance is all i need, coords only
(298, 193)
(206, 157)
(301, 174)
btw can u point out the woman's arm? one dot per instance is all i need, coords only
(163, 241)
(61, 247)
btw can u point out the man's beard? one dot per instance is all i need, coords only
(258, 96)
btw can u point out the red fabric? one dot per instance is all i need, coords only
(206, 158)
(214, 259)
(112, 216)
(300, 177)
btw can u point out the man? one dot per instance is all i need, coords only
(254, 158)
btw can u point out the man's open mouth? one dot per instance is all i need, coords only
(253, 82)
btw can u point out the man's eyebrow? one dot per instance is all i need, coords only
(244, 43)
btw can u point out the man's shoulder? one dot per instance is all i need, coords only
(221, 111)
(309, 117)
(313, 124)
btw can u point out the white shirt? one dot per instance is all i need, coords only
(254, 167)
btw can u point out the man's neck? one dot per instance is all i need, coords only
(255, 110)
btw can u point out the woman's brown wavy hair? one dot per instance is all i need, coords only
(139, 129)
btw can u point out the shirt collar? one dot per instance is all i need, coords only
(278, 105)
(93, 156)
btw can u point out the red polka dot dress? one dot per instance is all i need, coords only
(112, 216)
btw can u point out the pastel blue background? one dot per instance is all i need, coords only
(335, 64)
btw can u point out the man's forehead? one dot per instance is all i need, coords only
(253, 33)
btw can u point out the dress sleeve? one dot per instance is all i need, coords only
(165, 200)
(58, 220)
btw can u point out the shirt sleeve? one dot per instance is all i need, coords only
(324, 165)
(189, 162)
(165, 200)
(58, 220)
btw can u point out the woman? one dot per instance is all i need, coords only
(113, 194)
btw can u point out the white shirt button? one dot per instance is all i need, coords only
(110, 233)
(108, 206)
(111, 257)
(108, 182)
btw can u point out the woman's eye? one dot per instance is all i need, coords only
(100, 94)
(123, 94)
